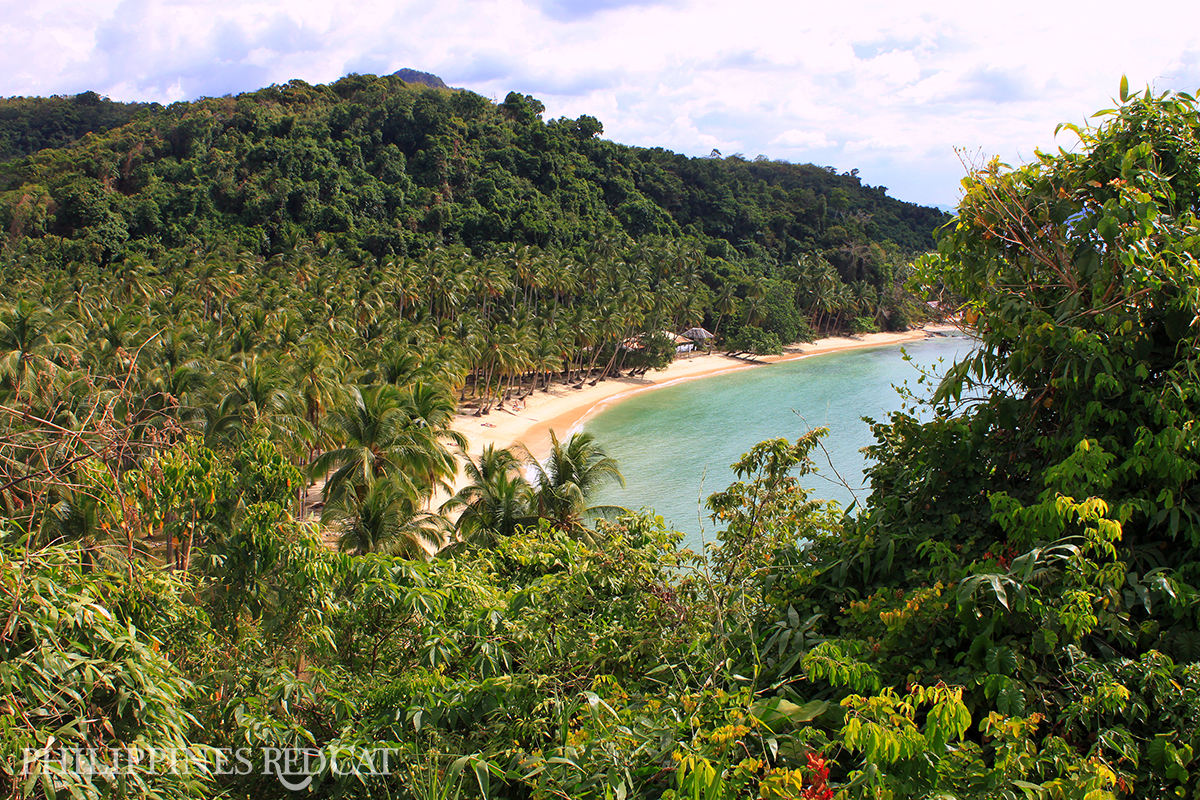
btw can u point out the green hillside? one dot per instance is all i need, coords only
(381, 167)
(30, 124)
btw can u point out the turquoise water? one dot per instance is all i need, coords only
(675, 444)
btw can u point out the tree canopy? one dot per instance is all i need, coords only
(379, 166)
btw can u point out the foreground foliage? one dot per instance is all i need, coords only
(1035, 542)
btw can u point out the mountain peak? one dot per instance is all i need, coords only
(416, 76)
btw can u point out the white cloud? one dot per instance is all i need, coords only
(874, 143)
(809, 140)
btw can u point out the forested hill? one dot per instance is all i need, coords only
(29, 124)
(376, 166)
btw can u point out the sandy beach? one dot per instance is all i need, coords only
(562, 408)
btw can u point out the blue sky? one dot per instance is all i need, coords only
(904, 92)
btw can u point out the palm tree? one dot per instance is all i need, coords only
(430, 409)
(397, 365)
(505, 353)
(260, 401)
(825, 295)
(385, 518)
(547, 358)
(137, 280)
(294, 261)
(389, 433)
(444, 283)
(843, 302)
(76, 516)
(212, 280)
(33, 339)
(497, 500)
(490, 281)
(115, 341)
(725, 304)
(865, 300)
(402, 283)
(561, 278)
(572, 474)
(175, 369)
(317, 378)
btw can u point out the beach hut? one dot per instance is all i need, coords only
(699, 336)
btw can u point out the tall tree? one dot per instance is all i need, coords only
(392, 433)
(33, 339)
(385, 518)
(570, 477)
(497, 500)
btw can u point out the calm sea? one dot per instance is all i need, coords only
(675, 444)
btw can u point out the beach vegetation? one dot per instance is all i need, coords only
(568, 479)
(754, 340)
(497, 500)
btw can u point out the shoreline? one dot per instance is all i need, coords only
(563, 409)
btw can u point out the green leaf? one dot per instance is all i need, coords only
(1044, 641)
(1068, 126)
(998, 589)
(1108, 228)
(1030, 789)
(1001, 661)
(1156, 751)
(774, 710)
(482, 775)
(1011, 700)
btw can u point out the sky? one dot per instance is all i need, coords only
(905, 92)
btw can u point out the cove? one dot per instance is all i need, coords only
(674, 444)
